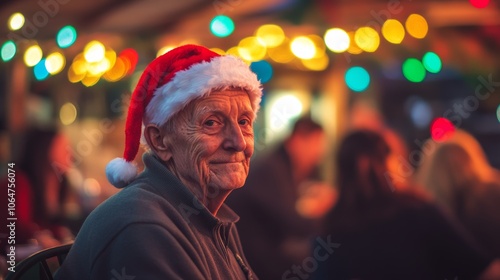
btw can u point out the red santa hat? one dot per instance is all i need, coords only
(167, 85)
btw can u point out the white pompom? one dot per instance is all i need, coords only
(120, 172)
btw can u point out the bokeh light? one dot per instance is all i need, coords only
(263, 70)
(417, 26)
(479, 3)
(218, 51)
(131, 57)
(163, 50)
(283, 110)
(413, 70)
(357, 78)
(16, 21)
(270, 35)
(281, 53)
(90, 80)
(33, 55)
(66, 36)
(40, 71)
(251, 49)
(393, 31)
(94, 51)
(68, 113)
(498, 113)
(442, 129)
(303, 47)
(318, 63)
(420, 113)
(353, 47)
(432, 62)
(222, 26)
(117, 71)
(367, 39)
(337, 40)
(8, 50)
(55, 62)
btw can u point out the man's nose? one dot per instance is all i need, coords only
(234, 138)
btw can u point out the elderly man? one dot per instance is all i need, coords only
(196, 109)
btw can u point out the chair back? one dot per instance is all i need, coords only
(41, 265)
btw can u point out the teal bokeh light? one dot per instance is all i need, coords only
(40, 71)
(66, 36)
(432, 62)
(263, 70)
(357, 78)
(8, 50)
(222, 26)
(498, 113)
(413, 70)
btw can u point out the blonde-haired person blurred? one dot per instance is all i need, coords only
(458, 175)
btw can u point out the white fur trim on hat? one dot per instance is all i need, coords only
(198, 81)
(120, 172)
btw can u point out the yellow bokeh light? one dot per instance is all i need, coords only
(319, 45)
(116, 72)
(90, 80)
(16, 21)
(317, 63)
(337, 40)
(218, 51)
(393, 31)
(68, 113)
(33, 55)
(416, 26)
(270, 35)
(251, 49)
(303, 47)
(73, 76)
(164, 50)
(94, 51)
(110, 56)
(98, 68)
(281, 53)
(55, 62)
(353, 47)
(367, 39)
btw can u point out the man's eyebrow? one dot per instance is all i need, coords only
(249, 113)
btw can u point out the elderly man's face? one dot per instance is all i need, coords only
(215, 141)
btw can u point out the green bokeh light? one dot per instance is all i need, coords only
(8, 51)
(66, 36)
(413, 70)
(357, 78)
(432, 62)
(40, 71)
(222, 26)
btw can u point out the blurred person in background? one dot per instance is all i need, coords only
(384, 233)
(273, 228)
(457, 174)
(41, 191)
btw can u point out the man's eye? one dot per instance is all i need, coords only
(244, 122)
(210, 123)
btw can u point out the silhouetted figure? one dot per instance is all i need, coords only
(384, 234)
(458, 176)
(274, 234)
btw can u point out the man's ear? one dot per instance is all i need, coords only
(155, 140)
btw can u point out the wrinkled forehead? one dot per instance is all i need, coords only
(228, 100)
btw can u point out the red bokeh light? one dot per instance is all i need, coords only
(441, 129)
(130, 57)
(479, 3)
